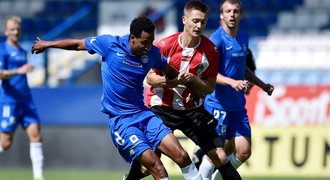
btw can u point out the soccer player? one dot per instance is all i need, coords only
(16, 104)
(135, 130)
(196, 58)
(227, 102)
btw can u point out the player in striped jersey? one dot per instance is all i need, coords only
(196, 58)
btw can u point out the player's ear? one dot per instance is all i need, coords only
(6, 32)
(221, 16)
(132, 37)
(183, 19)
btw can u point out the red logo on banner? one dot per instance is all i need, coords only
(290, 105)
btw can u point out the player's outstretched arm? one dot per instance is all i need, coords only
(68, 44)
(250, 76)
(6, 74)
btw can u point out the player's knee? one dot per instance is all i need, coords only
(183, 159)
(218, 157)
(222, 158)
(35, 137)
(244, 155)
(159, 169)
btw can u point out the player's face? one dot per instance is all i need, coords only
(13, 31)
(231, 15)
(194, 22)
(142, 45)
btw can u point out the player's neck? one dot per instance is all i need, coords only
(188, 41)
(12, 43)
(231, 31)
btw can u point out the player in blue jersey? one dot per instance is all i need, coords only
(16, 104)
(135, 130)
(227, 102)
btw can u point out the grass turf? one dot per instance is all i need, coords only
(9, 174)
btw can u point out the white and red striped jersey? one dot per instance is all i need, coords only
(201, 61)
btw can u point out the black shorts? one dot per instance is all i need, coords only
(197, 124)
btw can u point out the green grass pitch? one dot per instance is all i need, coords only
(9, 174)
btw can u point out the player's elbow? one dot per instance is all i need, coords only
(210, 88)
(3, 76)
(208, 91)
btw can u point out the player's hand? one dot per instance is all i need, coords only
(268, 88)
(194, 95)
(239, 85)
(248, 88)
(174, 82)
(187, 77)
(39, 46)
(24, 69)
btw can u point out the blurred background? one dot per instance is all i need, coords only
(290, 41)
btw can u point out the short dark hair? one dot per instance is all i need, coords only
(232, 2)
(196, 5)
(140, 24)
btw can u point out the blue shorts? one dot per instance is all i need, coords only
(230, 124)
(12, 115)
(132, 140)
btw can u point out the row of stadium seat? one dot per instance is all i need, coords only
(39, 16)
(295, 77)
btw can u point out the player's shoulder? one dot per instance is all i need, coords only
(210, 46)
(206, 40)
(218, 32)
(106, 37)
(154, 50)
(242, 34)
(169, 40)
(217, 36)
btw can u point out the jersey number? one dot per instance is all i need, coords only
(119, 139)
(216, 114)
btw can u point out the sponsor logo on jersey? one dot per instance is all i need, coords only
(145, 59)
(229, 48)
(120, 54)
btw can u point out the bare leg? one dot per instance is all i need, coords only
(6, 140)
(151, 161)
(36, 151)
(171, 147)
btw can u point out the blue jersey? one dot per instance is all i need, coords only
(123, 73)
(14, 89)
(232, 54)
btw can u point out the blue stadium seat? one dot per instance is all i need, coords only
(54, 13)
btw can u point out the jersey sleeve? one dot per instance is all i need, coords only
(2, 57)
(98, 44)
(250, 62)
(161, 60)
(213, 57)
(165, 45)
